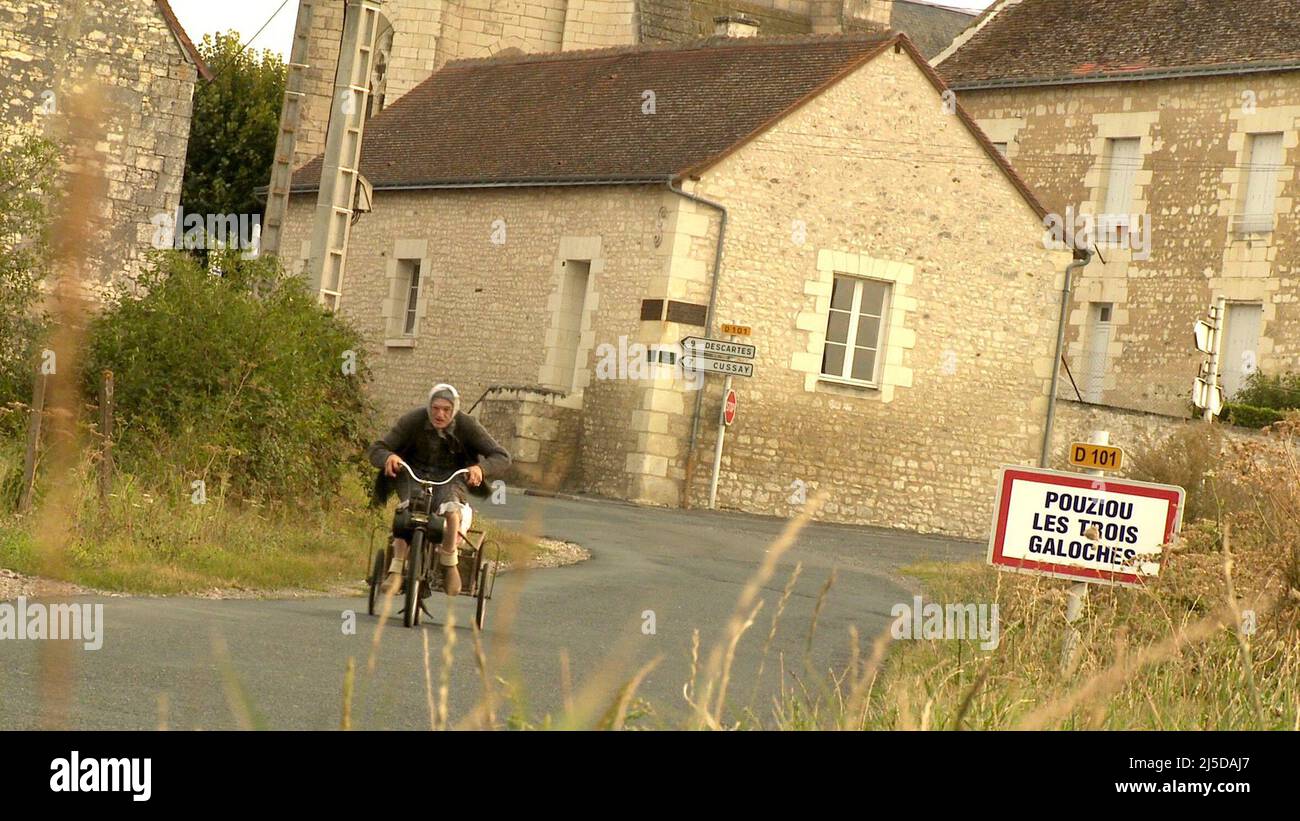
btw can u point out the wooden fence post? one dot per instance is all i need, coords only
(33, 440)
(106, 431)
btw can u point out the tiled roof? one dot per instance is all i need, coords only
(554, 117)
(1036, 41)
(932, 28)
(577, 116)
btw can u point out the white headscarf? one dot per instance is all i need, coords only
(444, 391)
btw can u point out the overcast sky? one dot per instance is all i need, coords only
(200, 17)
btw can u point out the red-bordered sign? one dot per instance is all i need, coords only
(1086, 528)
(729, 407)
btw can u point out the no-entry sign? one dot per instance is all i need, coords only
(1085, 528)
(729, 408)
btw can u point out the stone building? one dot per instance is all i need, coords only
(145, 67)
(1176, 124)
(417, 37)
(546, 228)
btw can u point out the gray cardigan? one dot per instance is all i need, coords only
(417, 442)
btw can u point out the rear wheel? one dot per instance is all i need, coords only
(376, 580)
(414, 577)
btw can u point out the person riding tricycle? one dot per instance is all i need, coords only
(436, 441)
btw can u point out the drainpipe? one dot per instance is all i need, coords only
(708, 331)
(1081, 259)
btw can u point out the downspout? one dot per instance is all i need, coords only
(1081, 259)
(708, 330)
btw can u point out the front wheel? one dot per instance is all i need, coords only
(376, 579)
(414, 576)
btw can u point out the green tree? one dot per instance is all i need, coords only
(233, 130)
(27, 170)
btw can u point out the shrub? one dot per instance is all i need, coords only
(1281, 392)
(1249, 416)
(237, 376)
(1189, 458)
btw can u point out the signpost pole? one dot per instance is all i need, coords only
(717, 450)
(1216, 343)
(1078, 594)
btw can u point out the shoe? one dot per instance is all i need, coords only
(451, 582)
(392, 584)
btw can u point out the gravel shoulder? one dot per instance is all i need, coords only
(551, 553)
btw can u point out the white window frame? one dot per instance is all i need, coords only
(1260, 184)
(405, 256)
(850, 342)
(411, 314)
(1117, 194)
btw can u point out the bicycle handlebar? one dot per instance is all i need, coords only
(428, 483)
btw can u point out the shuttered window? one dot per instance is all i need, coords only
(1261, 183)
(1123, 159)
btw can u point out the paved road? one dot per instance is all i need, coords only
(289, 657)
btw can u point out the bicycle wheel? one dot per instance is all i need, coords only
(376, 579)
(480, 607)
(414, 576)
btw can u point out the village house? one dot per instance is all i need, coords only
(414, 38)
(1175, 125)
(145, 67)
(540, 225)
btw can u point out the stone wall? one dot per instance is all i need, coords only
(1136, 432)
(145, 82)
(543, 437)
(1195, 153)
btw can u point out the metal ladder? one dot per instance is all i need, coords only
(277, 195)
(339, 177)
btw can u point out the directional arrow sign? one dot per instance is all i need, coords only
(699, 363)
(1202, 333)
(704, 346)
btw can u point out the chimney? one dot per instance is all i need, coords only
(735, 25)
(880, 12)
(876, 13)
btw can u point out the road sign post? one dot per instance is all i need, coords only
(720, 356)
(717, 450)
(1078, 594)
(1206, 392)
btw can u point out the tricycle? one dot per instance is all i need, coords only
(423, 575)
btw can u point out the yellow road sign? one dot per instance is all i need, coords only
(1096, 457)
(736, 330)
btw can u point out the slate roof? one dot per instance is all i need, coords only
(577, 117)
(1068, 41)
(549, 117)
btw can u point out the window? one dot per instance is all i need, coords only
(1097, 350)
(1261, 184)
(1001, 147)
(1123, 159)
(1241, 340)
(404, 299)
(855, 329)
(412, 296)
(568, 324)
